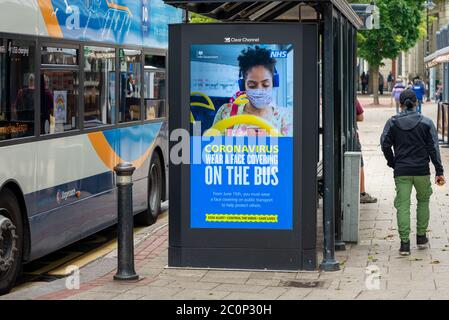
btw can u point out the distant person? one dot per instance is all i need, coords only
(381, 83)
(47, 108)
(439, 93)
(390, 81)
(409, 141)
(364, 197)
(131, 88)
(420, 91)
(364, 81)
(396, 93)
(24, 105)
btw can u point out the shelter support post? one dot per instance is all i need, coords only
(329, 262)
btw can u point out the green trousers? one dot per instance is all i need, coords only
(423, 188)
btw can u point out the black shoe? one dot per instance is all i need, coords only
(405, 249)
(422, 241)
(367, 198)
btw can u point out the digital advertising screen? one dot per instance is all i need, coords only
(241, 114)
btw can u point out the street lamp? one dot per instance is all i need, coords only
(428, 5)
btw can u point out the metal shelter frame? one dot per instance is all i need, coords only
(338, 25)
(441, 57)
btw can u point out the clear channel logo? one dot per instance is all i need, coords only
(241, 40)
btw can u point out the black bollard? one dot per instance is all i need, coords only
(125, 270)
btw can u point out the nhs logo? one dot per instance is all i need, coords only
(278, 54)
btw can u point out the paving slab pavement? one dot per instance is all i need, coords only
(371, 269)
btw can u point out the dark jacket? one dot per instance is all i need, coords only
(414, 140)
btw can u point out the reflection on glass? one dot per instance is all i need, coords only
(154, 84)
(59, 101)
(61, 56)
(154, 62)
(154, 87)
(99, 86)
(17, 89)
(154, 109)
(130, 87)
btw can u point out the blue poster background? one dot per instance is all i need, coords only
(204, 199)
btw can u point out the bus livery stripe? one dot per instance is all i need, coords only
(120, 145)
(115, 6)
(51, 21)
(104, 150)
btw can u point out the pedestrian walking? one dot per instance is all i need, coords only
(364, 196)
(420, 91)
(439, 93)
(396, 93)
(364, 81)
(390, 81)
(414, 140)
(381, 83)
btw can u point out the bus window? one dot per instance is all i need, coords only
(130, 94)
(17, 89)
(99, 86)
(154, 87)
(155, 62)
(59, 56)
(155, 109)
(59, 90)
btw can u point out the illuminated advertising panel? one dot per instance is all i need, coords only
(243, 94)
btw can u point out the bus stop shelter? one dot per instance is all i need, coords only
(335, 110)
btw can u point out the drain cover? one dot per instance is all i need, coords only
(302, 284)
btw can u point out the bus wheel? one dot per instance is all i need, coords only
(149, 216)
(11, 241)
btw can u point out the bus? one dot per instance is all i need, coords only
(82, 88)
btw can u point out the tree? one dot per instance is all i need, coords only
(400, 29)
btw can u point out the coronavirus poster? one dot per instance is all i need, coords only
(242, 136)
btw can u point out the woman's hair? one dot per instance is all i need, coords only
(408, 98)
(258, 56)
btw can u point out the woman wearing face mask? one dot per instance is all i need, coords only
(256, 95)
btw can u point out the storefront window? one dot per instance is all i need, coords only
(130, 86)
(99, 86)
(17, 89)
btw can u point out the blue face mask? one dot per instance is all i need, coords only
(260, 98)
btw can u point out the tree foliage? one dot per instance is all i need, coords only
(401, 24)
(196, 18)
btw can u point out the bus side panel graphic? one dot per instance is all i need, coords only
(135, 22)
(141, 22)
